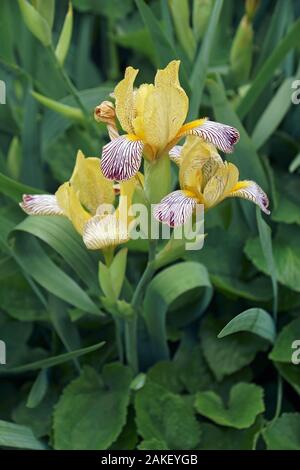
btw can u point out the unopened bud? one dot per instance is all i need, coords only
(105, 112)
(251, 8)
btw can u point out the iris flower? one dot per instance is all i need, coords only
(153, 117)
(82, 199)
(204, 179)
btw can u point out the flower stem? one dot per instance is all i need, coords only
(131, 343)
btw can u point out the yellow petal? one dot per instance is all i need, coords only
(164, 113)
(69, 201)
(90, 184)
(220, 184)
(169, 75)
(124, 96)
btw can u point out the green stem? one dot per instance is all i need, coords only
(131, 343)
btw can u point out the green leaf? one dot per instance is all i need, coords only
(248, 160)
(41, 268)
(153, 444)
(64, 41)
(221, 438)
(92, 409)
(59, 233)
(47, 9)
(69, 112)
(166, 417)
(290, 373)
(164, 49)
(19, 437)
(15, 190)
(117, 270)
(244, 404)
(267, 70)
(254, 320)
(38, 389)
(54, 360)
(180, 10)
(35, 22)
(286, 256)
(284, 433)
(173, 287)
(294, 165)
(230, 354)
(283, 350)
(165, 373)
(201, 64)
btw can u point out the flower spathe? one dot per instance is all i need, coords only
(153, 117)
(84, 200)
(204, 179)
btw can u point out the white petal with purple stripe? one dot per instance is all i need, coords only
(252, 192)
(40, 204)
(121, 158)
(222, 136)
(175, 208)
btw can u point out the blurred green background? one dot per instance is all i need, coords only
(239, 64)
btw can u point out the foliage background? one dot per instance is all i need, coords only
(62, 388)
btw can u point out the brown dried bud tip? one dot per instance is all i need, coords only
(105, 112)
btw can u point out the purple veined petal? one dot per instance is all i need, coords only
(222, 136)
(121, 158)
(252, 192)
(175, 208)
(175, 153)
(40, 204)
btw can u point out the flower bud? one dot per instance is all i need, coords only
(105, 112)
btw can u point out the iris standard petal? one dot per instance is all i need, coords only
(40, 204)
(69, 201)
(252, 192)
(121, 158)
(175, 208)
(90, 183)
(124, 96)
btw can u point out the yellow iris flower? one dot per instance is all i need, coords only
(82, 200)
(153, 117)
(204, 179)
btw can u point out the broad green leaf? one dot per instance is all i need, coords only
(38, 389)
(172, 288)
(19, 437)
(41, 268)
(230, 354)
(167, 417)
(35, 22)
(201, 64)
(64, 41)
(153, 444)
(246, 157)
(92, 409)
(194, 372)
(273, 114)
(290, 373)
(244, 404)
(69, 112)
(54, 360)
(165, 373)
(286, 254)
(15, 190)
(283, 347)
(267, 70)
(254, 320)
(222, 438)
(284, 433)
(287, 207)
(59, 233)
